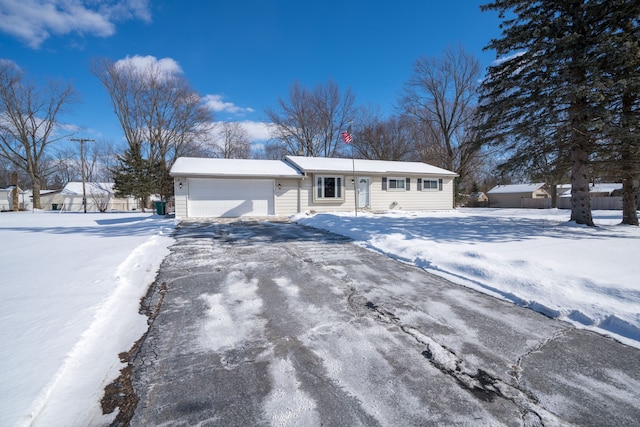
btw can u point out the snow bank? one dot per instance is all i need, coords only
(72, 284)
(534, 258)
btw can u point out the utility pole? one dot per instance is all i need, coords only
(84, 191)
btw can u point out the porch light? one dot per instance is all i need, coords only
(180, 185)
(279, 186)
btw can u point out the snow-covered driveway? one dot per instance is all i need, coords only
(279, 324)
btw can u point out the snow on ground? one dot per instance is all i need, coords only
(69, 300)
(534, 258)
(72, 282)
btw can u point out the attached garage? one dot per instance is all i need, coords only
(209, 197)
(230, 188)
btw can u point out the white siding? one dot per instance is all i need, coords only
(383, 200)
(286, 192)
(412, 199)
(181, 196)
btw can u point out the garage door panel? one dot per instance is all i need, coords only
(230, 197)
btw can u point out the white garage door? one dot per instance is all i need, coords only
(230, 197)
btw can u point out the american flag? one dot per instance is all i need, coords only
(346, 137)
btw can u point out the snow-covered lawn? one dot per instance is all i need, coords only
(71, 288)
(534, 258)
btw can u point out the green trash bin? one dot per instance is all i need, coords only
(161, 207)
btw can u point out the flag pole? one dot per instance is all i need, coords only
(355, 184)
(347, 138)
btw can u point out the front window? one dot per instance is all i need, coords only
(329, 187)
(430, 184)
(396, 184)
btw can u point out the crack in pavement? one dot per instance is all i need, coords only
(517, 367)
(478, 382)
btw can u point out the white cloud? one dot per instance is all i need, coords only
(166, 66)
(34, 21)
(257, 131)
(216, 104)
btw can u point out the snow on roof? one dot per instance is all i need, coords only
(232, 167)
(326, 164)
(515, 188)
(75, 188)
(605, 188)
(595, 188)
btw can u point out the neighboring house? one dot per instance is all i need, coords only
(6, 199)
(51, 200)
(603, 196)
(240, 187)
(100, 198)
(477, 200)
(519, 196)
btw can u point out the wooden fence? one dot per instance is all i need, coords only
(597, 203)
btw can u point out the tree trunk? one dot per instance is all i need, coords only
(14, 193)
(629, 163)
(630, 201)
(579, 149)
(580, 197)
(553, 190)
(36, 193)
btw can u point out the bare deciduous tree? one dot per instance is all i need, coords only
(376, 138)
(310, 121)
(28, 122)
(233, 142)
(441, 95)
(157, 109)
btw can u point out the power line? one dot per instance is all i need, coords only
(84, 192)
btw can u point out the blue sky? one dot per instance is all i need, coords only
(241, 54)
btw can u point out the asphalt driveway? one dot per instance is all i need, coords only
(257, 323)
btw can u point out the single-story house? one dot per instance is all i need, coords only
(519, 196)
(242, 187)
(477, 199)
(51, 200)
(100, 198)
(6, 199)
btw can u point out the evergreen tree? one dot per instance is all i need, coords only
(619, 82)
(135, 176)
(546, 84)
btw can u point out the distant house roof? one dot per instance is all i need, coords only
(515, 188)
(331, 164)
(606, 188)
(233, 168)
(75, 188)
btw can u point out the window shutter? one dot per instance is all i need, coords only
(384, 183)
(408, 184)
(419, 184)
(440, 184)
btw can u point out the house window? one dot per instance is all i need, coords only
(395, 184)
(329, 187)
(429, 184)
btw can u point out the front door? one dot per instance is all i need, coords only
(363, 192)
